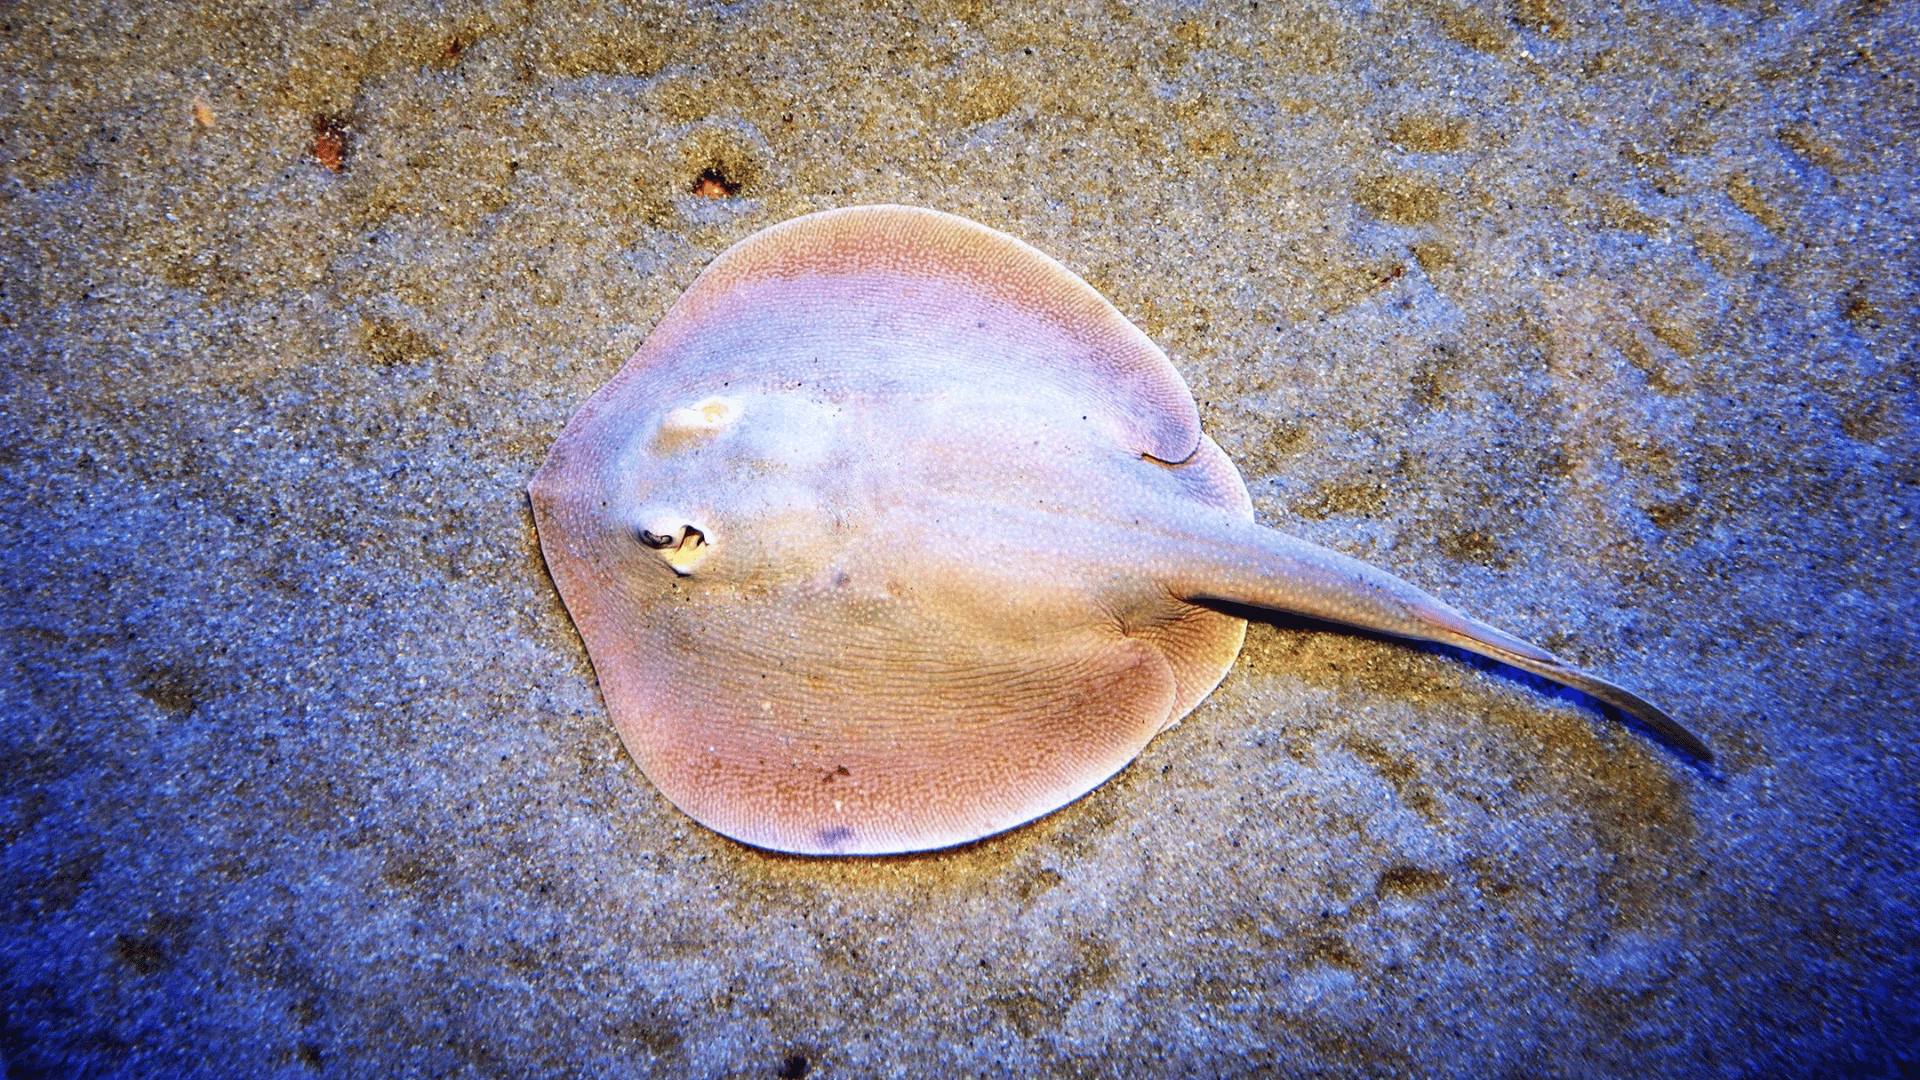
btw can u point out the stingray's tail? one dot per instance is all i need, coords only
(1259, 567)
(1657, 720)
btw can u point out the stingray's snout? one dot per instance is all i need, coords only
(695, 423)
(682, 544)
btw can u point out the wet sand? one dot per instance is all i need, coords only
(1599, 323)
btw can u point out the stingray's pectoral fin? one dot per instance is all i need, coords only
(1259, 567)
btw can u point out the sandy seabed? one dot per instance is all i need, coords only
(1598, 321)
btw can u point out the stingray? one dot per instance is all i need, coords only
(895, 534)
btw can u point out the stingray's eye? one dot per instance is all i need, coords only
(680, 542)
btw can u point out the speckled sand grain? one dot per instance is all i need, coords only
(1597, 321)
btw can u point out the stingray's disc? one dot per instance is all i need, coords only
(847, 538)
